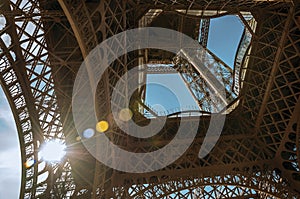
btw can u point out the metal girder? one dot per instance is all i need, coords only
(230, 5)
(235, 184)
(160, 70)
(19, 71)
(276, 64)
(208, 162)
(89, 32)
(201, 87)
(273, 95)
(241, 58)
(246, 24)
(241, 147)
(204, 30)
(32, 97)
(287, 157)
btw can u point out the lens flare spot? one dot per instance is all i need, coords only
(53, 151)
(78, 138)
(102, 126)
(88, 133)
(125, 114)
(29, 163)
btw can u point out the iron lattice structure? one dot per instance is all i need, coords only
(43, 44)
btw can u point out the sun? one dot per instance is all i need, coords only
(53, 151)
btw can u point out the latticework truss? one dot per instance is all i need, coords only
(257, 156)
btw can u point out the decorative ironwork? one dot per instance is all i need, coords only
(42, 46)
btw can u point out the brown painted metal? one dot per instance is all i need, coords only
(256, 156)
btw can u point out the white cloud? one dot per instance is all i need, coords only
(9, 187)
(10, 164)
(5, 112)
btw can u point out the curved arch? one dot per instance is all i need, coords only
(240, 56)
(14, 91)
(40, 90)
(77, 15)
(27, 81)
(210, 185)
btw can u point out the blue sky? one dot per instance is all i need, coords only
(169, 91)
(224, 36)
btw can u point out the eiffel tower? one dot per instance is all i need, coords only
(43, 44)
